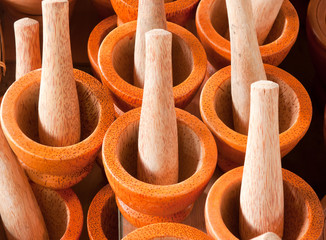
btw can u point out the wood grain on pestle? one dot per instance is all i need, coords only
(246, 63)
(264, 14)
(59, 116)
(27, 41)
(261, 195)
(267, 236)
(20, 213)
(158, 140)
(151, 15)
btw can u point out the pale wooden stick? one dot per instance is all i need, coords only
(265, 13)
(59, 116)
(158, 140)
(261, 196)
(246, 63)
(151, 15)
(27, 38)
(267, 236)
(20, 213)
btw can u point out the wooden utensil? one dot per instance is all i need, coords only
(158, 140)
(246, 63)
(59, 116)
(267, 236)
(261, 196)
(20, 213)
(264, 14)
(27, 39)
(151, 15)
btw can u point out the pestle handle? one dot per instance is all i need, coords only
(59, 116)
(265, 13)
(261, 195)
(267, 236)
(20, 213)
(151, 15)
(27, 41)
(158, 140)
(246, 63)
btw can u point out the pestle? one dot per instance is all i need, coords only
(59, 117)
(261, 195)
(158, 140)
(28, 56)
(151, 15)
(246, 63)
(20, 213)
(265, 13)
(267, 236)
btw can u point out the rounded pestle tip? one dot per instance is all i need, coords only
(264, 85)
(25, 22)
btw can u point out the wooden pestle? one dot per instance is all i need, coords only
(267, 236)
(20, 213)
(158, 140)
(265, 13)
(27, 39)
(246, 63)
(59, 116)
(151, 15)
(261, 195)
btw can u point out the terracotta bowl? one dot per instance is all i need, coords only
(55, 167)
(62, 212)
(103, 7)
(31, 7)
(295, 113)
(116, 56)
(316, 33)
(212, 24)
(102, 217)
(95, 39)
(178, 11)
(167, 231)
(143, 203)
(303, 214)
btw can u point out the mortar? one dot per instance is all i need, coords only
(55, 167)
(212, 25)
(143, 203)
(303, 214)
(295, 113)
(116, 56)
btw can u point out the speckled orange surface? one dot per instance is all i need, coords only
(55, 167)
(62, 212)
(95, 39)
(178, 11)
(197, 161)
(295, 114)
(168, 231)
(102, 216)
(116, 52)
(211, 23)
(303, 213)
